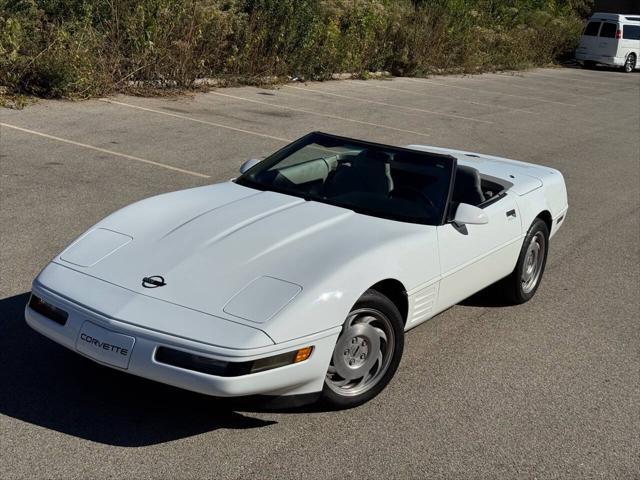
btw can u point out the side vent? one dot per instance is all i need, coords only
(422, 302)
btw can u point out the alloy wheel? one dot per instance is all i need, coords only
(363, 353)
(533, 263)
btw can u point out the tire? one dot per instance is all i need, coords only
(589, 64)
(630, 63)
(522, 284)
(367, 352)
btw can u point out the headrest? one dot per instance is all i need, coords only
(373, 156)
(467, 188)
(468, 175)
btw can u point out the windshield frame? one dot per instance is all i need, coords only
(246, 179)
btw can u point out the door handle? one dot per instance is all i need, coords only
(511, 213)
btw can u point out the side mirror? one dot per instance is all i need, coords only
(248, 164)
(469, 215)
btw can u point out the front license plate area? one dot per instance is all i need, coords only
(104, 345)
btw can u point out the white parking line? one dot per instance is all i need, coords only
(440, 97)
(104, 150)
(597, 96)
(588, 79)
(564, 78)
(393, 105)
(546, 87)
(191, 119)
(533, 77)
(493, 92)
(310, 112)
(325, 101)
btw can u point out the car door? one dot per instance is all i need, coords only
(473, 257)
(589, 37)
(607, 41)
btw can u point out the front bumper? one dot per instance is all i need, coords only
(295, 379)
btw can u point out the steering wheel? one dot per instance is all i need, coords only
(407, 191)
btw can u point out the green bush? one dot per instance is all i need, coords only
(66, 48)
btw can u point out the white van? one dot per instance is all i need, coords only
(611, 39)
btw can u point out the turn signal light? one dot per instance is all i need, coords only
(303, 354)
(220, 368)
(281, 360)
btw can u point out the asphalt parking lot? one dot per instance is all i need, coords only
(544, 390)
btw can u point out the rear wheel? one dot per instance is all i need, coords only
(589, 64)
(630, 63)
(367, 352)
(523, 283)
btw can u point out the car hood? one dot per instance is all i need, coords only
(226, 250)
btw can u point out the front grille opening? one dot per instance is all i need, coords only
(47, 310)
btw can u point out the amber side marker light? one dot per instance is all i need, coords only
(302, 354)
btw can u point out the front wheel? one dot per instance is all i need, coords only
(367, 353)
(630, 63)
(522, 284)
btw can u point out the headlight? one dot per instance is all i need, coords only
(262, 299)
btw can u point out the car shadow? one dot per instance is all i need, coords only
(490, 297)
(48, 385)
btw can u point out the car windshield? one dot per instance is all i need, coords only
(377, 180)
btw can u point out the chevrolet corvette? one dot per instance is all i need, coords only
(300, 277)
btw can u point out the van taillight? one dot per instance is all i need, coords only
(618, 34)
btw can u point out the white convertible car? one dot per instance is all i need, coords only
(300, 277)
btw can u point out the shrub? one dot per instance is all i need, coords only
(67, 48)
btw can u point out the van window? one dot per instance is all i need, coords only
(608, 30)
(592, 29)
(631, 32)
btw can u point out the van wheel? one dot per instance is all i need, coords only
(630, 63)
(589, 64)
